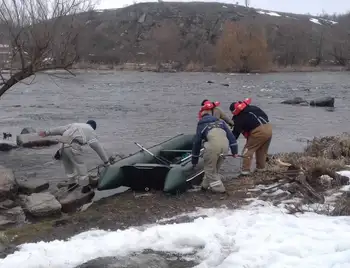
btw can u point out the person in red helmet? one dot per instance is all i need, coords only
(217, 139)
(253, 123)
(217, 112)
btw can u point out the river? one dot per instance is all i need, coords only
(151, 107)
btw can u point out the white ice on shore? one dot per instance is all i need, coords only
(257, 236)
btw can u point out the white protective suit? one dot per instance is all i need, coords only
(74, 136)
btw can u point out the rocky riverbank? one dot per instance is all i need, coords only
(298, 181)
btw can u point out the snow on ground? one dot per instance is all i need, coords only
(269, 13)
(256, 236)
(330, 21)
(315, 21)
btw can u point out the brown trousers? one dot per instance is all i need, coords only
(258, 142)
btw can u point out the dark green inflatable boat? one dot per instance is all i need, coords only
(166, 166)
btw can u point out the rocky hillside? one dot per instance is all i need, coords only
(188, 33)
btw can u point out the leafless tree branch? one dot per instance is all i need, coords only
(41, 35)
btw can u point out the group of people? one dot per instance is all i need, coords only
(213, 129)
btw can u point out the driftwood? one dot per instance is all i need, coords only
(297, 177)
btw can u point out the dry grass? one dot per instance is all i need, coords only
(335, 147)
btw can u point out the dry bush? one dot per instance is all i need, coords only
(242, 49)
(167, 39)
(333, 147)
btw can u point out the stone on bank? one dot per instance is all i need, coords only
(32, 186)
(8, 185)
(41, 205)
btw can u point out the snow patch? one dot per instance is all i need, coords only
(225, 239)
(274, 14)
(316, 21)
(329, 21)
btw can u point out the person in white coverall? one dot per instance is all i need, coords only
(74, 137)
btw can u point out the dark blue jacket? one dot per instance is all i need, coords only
(204, 126)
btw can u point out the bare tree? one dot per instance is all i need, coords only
(242, 49)
(247, 2)
(41, 35)
(167, 39)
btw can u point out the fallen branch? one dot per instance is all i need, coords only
(298, 176)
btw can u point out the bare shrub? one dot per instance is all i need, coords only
(334, 147)
(242, 49)
(43, 35)
(167, 41)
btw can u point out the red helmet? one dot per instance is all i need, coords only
(240, 106)
(207, 106)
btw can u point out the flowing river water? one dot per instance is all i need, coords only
(152, 107)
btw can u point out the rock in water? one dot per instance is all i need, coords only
(8, 185)
(32, 186)
(34, 140)
(28, 130)
(5, 147)
(323, 102)
(42, 204)
(73, 200)
(296, 100)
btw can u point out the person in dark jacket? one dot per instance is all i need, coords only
(217, 140)
(253, 123)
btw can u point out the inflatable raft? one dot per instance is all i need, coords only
(166, 166)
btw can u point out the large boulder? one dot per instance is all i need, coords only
(8, 186)
(73, 200)
(41, 205)
(30, 186)
(5, 147)
(296, 100)
(34, 140)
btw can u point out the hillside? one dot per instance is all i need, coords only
(188, 33)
